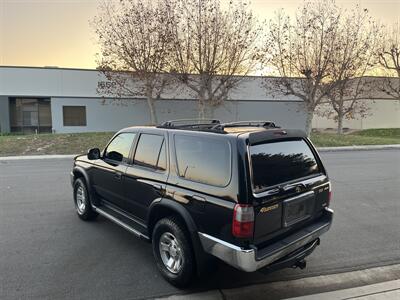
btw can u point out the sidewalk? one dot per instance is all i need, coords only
(389, 290)
(380, 283)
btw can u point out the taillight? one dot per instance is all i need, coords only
(243, 221)
(330, 194)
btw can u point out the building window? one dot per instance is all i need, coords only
(30, 115)
(74, 115)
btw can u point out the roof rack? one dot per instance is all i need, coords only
(265, 124)
(194, 124)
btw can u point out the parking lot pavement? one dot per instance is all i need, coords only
(46, 252)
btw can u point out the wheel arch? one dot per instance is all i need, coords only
(167, 207)
(79, 172)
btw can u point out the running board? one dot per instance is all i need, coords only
(119, 222)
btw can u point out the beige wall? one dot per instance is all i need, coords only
(384, 114)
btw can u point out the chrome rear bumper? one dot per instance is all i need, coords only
(250, 260)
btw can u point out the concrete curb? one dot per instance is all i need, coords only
(359, 148)
(378, 281)
(30, 157)
(320, 149)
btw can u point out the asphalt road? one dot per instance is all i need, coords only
(46, 252)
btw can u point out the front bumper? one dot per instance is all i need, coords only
(250, 260)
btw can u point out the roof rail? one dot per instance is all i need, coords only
(182, 123)
(265, 124)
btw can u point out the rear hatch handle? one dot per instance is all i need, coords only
(273, 191)
(298, 186)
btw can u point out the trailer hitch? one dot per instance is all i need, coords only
(300, 264)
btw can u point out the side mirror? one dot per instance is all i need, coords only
(116, 156)
(93, 154)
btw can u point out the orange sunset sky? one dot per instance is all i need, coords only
(57, 32)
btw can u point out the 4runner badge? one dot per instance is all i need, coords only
(269, 208)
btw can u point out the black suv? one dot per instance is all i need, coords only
(249, 193)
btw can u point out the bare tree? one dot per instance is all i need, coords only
(301, 52)
(211, 45)
(134, 39)
(389, 59)
(353, 57)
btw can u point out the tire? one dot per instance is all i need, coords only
(180, 249)
(82, 201)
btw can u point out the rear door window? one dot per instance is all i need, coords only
(278, 162)
(204, 160)
(150, 152)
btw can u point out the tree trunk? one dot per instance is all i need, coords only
(202, 107)
(209, 112)
(202, 110)
(340, 124)
(151, 105)
(309, 118)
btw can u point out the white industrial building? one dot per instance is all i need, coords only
(66, 100)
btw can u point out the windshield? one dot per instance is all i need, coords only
(278, 162)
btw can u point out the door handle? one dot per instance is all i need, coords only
(157, 186)
(198, 198)
(118, 175)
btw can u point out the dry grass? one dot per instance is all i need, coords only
(73, 143)
(363, 137)
(76, 143)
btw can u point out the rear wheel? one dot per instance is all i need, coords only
(173, 252)
(82, 201)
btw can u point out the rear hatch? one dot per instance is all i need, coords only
(289, 186)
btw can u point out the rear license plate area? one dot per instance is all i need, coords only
(298, 209)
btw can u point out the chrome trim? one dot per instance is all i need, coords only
(309, 193)
(120, 212)
(322, 184)
(119, 222)
(330, 210)
(248, 260)
(303, 182)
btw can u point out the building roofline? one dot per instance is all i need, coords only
(96, 70)
(47, 68)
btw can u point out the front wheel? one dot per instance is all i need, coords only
(173, 252)
(82, 201)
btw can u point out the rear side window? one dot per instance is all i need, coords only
(278, 162)
(150, 152)
(204, 160)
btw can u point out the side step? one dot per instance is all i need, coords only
(121, 220)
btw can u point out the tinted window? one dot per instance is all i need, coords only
(74, 115)
(120, 146)
(278, 162)
(148, 151)
(204, 160)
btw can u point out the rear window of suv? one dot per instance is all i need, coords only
(278, 162)
(204, 160)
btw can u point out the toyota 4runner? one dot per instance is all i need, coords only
(249, 193)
